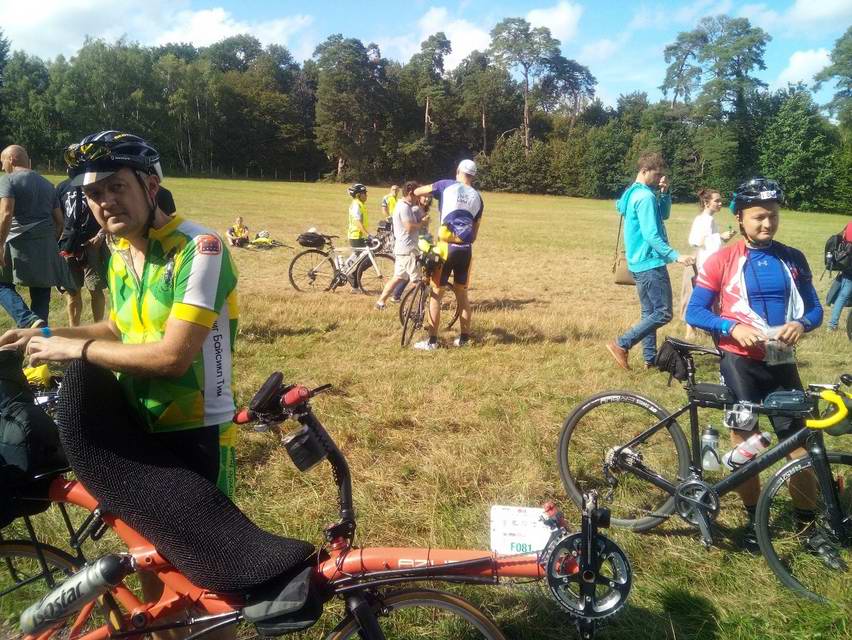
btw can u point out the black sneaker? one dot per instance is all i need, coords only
(821, 546)
(748, 540)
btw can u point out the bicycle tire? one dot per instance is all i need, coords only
(849, 325)
(634, 503)
(449, 307)
(781, 538)
(312, 270)
(370, 281)
(21, 586)
(454, 611)
(413, 308)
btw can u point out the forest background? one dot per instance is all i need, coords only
(528, 114)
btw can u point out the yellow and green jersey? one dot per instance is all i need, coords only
(357, 212)
(188, 275)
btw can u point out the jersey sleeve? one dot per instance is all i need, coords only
(355, 210)
(439, 187)
(6, 190)
(204, 279)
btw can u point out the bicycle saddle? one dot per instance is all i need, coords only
(684, 348)
(190, 522)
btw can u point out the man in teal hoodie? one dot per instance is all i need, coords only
(647, 250)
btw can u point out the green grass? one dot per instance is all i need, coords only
(435, 439)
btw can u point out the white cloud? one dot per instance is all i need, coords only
(801, 18)
(562, 19)
(598, 52)
(802, 67)
(59, 27)
(692, 13)
(464, 36)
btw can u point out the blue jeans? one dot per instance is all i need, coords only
(655, 295)
(15, 306)
(843, 296)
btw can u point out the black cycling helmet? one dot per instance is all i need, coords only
(755, 191)
(357, 188)
(99, 155)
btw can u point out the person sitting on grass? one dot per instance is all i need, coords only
(407, 223)
(238, 235)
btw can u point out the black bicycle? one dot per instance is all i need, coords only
(415, 303)
(634, 453)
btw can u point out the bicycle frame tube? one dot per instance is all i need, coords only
(822, 469)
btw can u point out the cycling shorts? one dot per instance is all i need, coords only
(752, 380)
(457, 264)
(209, 451)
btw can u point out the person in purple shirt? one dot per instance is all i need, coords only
(460, 207)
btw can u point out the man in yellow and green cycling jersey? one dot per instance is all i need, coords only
(170, 332)
(357, 230)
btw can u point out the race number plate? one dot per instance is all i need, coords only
(518, 529)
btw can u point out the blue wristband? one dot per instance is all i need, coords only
(46, 332)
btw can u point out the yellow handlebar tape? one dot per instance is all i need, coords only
(825, 423)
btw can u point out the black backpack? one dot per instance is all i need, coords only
(838, 253)
(29, 444)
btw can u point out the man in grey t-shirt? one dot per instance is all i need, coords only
(29, 227)
(407, 223)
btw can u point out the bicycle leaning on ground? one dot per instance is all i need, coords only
(586, 573)
(414, 308)
(321, 267)
(634, 453)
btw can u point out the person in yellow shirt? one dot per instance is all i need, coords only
(238, 235)
(389, 202)
(357, 231)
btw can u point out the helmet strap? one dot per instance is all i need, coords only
(152, 203)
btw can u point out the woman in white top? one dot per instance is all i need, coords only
(705, 237)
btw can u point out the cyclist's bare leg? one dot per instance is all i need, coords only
(803, 486)
(152, 589)
(436, 292)
(390, 287)
(464, 308)
(98, 304)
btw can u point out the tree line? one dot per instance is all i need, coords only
(527, 113)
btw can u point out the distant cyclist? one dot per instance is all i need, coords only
(389, 202)
(757, 296)
(461, 207)
(358, 221)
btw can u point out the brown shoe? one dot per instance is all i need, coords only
(619, 354)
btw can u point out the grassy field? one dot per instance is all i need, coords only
(435, 439)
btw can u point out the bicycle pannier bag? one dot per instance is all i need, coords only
(29, 443)
(311, 240)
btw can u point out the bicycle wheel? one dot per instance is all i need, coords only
(421, 614)
(587, 444)
(372, 278)
(788, 542)
(311, 270)
(24, 582)
(413, 312)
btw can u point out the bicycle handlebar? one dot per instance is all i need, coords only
(836, 399)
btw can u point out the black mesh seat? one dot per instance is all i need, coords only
(190, 522)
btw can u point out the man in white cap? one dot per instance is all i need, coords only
(460, 207)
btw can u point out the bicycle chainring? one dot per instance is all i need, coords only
(694, 496)
(565, 579)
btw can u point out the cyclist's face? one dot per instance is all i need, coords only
(362, 197)
(760, 222)
(119, 204)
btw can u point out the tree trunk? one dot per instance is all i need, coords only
(526, 112)
(340, 164)
(484, 133)
(426, 120)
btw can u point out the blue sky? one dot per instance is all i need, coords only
(621, 42)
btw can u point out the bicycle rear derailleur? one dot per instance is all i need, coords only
(587, 573)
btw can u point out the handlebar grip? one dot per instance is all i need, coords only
(244, 416)
(824, 423)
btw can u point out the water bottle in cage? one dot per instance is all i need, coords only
(710, 460)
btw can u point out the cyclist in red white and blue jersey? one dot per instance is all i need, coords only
(461, 207)
(757, 297)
